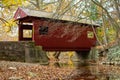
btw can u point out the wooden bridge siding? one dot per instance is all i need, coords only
(53, 42)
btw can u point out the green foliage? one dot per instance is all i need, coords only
(93, 12)
(100, 34)
(110, 33)
(114, 54)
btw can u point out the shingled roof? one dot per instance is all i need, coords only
(24, 12)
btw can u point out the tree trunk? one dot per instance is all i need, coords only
(56, 55)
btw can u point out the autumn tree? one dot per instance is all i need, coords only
(110, 14)
(8, 25)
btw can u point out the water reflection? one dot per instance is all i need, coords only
(90, 72)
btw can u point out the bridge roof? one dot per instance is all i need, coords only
(24, 12)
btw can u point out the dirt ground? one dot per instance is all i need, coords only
(34, 71)
(28, 71)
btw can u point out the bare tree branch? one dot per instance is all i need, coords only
(110, 18)
(3, 20)
(117, 8)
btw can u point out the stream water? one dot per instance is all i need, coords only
(91, 72)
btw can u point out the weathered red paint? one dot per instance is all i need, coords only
(57, 39)
(62, 35)
(20, 14)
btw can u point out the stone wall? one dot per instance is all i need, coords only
(24, 51)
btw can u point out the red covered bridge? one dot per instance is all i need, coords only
(55, 34)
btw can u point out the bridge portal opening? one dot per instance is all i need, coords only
(26, 32)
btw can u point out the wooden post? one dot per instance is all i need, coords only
(20, 32)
